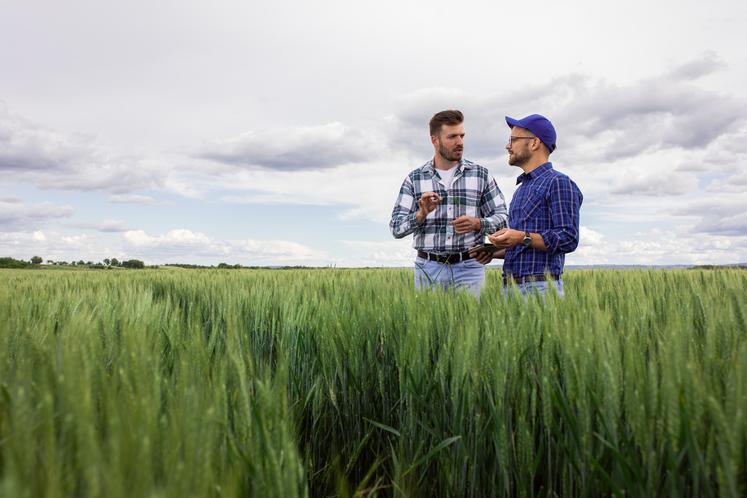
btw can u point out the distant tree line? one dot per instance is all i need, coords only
(36, 261)
(742, 266)
(220, 266)
(13, 263)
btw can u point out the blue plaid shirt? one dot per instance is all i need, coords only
(472, 192)
(547, 202)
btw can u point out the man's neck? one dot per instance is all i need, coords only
(533, 164)
(443, 164)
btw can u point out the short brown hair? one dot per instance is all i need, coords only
(451, 117)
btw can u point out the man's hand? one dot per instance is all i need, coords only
(485, 257)
(427, 202)
(506, 238)
(466, 224)
(482, 257)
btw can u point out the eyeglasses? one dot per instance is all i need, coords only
(513, 139)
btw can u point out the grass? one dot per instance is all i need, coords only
(348, 383)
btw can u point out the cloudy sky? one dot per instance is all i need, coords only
(272, 133)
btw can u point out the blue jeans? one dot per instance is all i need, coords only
(541, 288)
(468, 275)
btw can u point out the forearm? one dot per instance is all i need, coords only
(559, 240)
(538, 242)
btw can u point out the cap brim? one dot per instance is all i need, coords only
(511, 122)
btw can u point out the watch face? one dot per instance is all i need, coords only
(527, 240)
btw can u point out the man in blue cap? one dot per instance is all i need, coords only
(544, 213)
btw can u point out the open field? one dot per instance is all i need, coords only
(207, 383)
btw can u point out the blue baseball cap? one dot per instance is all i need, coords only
(539, 125)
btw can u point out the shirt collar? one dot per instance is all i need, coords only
(431, 167)
(535, 173)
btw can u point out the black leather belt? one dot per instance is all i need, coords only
(457, 257)
(529, 278)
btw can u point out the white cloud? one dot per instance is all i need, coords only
(53, 245)
(659, 247)
(132, 199)
(719, 213)
(184, 243)
(708, 63)
(53, 159)
(14, 215)
(174, 238)
(652, 184)
(734, 183)
(294, 149)
(107, 225)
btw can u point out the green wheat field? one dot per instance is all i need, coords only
(341, 382)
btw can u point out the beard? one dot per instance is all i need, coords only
(517, 158)
(454, 154)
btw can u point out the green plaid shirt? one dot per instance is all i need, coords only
(473, 192)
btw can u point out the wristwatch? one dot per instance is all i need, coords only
(527, 239)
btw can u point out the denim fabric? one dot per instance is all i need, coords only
(542, 288)
(468, 275)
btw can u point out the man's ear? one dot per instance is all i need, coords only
(434, 138)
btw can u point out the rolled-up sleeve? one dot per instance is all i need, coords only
(403, 221)
(493, 209)
(565, 200)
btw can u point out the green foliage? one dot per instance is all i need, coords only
(133, 263)
(350, 383)
(36, 260)
(12, 263)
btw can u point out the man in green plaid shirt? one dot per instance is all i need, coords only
(449, 204)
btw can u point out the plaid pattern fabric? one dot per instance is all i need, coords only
(473, 192)
(547, 202)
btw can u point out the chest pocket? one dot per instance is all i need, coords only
(532, 204)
